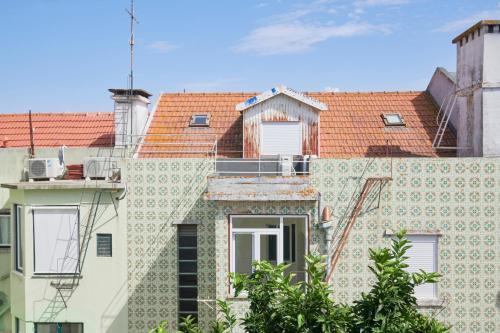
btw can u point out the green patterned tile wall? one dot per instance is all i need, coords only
(459, 197)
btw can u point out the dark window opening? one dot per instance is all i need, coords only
(187, 251)
(58, 328)
(490, 29)
(18, 239)
(104, 245)
(199, 120)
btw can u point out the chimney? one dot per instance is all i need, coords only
(478, 88)
(131, 115)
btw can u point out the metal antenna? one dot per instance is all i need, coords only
(131, 13)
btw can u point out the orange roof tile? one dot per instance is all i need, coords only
(57, 129)
(351, 127)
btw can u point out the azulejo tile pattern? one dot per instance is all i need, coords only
(458, 197)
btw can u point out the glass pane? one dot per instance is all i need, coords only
(256, 222)
(243, 253)
(188, 292)
(188, 280)
(4, 230)
(187, 241)
(188, 254)
(297, 246)
(269, 248)
(59, 328)
(187, 267)
(188, 306)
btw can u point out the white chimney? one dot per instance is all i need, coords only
(131, 115)
(478, 85)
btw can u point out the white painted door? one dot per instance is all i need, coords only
(281, 138)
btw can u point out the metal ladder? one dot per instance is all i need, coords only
(353, 210)
(443, 118)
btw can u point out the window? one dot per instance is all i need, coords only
(187, 247)
(104, 245)
(4, 230)
(423, 255)
(18, 232)
(281, 138)
(199, 120)
(17, 326)
(56, 239)
(275, 239)
(490, 29)
(393, 119)
(58, 328)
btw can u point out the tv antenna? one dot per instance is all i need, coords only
(131, 13)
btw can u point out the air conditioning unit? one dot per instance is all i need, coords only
(43, 168)
(100, 167)
(286, 162)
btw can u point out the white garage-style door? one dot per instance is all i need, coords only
(281, 138)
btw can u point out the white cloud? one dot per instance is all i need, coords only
(162, 46)
(289, 38)
(331, 89)
(466, 22)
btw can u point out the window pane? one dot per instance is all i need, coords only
(243, 253)
(59, 328)
(269, 248)
(188, 306)
(188, 292)
(286, 243)
(19, 238)
(187, 241)
(187, 267)
(4, 230)
(188, 280)
(188, 254)
(256, 222)
(104, 245)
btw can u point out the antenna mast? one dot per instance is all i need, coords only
(131, 13)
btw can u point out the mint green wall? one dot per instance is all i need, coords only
(458, 197)
(12, 163)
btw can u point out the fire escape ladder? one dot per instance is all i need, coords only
(346, 223)
(66, 289)
(442, 120)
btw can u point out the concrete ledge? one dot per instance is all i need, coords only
(430, 303)
(278, 188)
(65, 185)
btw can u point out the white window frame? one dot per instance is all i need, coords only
(55, 207)
(18, 231)
(8, 219)
(258, 232)
(426, 238)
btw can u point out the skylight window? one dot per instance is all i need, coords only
(199, 120)
(393, 119)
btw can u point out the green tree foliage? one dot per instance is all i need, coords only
(391, 306)
(278, 305)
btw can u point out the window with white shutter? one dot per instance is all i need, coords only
(56, 239)
(423, 256)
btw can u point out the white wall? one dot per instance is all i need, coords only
(441, 86)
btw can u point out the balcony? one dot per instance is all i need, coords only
(284, 166)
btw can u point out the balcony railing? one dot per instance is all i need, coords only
(269, 166)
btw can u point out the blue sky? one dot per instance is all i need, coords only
(62, 55)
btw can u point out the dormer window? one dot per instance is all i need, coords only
(393, 119)
(200, 120)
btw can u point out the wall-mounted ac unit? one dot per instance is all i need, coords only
(100, 167)
(43, 168)
(286, 162)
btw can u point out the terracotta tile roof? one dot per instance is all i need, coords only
(351, 127)
(57, 129)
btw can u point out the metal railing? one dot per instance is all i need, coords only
(297, 166)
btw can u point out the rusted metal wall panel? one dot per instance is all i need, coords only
(280, 109)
